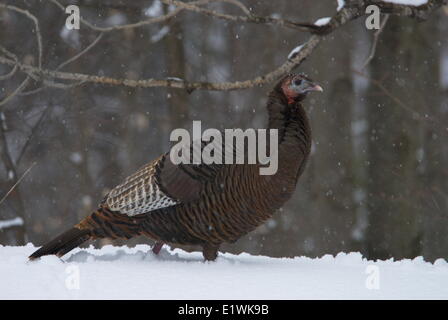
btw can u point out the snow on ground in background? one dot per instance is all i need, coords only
(155, 9)
(160, 34)
(136, 273)
(11, 223)
(322, 21)
(341, 4)
(408, 2)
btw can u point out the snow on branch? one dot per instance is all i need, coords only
(348, 10)
(295, 51)
(322, 21)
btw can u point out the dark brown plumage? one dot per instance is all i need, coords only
(203, 204)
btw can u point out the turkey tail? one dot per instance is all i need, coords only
(62, 244)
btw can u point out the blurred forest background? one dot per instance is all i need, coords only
(377, 180)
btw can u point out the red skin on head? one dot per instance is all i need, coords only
(288, 92)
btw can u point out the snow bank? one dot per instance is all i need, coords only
(135, 273)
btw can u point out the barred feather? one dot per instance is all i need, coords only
(140, 193)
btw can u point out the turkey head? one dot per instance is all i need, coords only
(295, 87)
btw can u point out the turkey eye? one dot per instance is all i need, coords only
(297, 82)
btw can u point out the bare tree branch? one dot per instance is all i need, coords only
(248, 18)
(173, 82)
(352, 10)
(36, 24)
(60, 85)
(142, 23)
(195, 7)
(25, 82)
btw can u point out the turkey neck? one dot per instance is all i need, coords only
(294, 137)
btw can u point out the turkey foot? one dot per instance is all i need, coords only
(210, 251)
(157, 247)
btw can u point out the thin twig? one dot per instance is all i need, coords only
(39, 49)
(17, 182)
(248, 18)
(16, 91)
(36, 24)
(14, 69)
(376, 36)
(9, 74)
(400, 103)
(81, 53)
(142, 23)
(53, 84)
(33, 132)
(8, 53)
(240, 5)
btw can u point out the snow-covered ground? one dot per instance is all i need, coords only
(135, 273)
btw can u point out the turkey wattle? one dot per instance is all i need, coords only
(203, 204)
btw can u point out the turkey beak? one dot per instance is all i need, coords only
(314, 87)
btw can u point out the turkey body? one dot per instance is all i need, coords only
(200, 204)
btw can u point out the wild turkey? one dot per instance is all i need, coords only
(204, 205)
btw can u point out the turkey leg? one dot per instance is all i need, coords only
(157, 247)
(210, 251)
